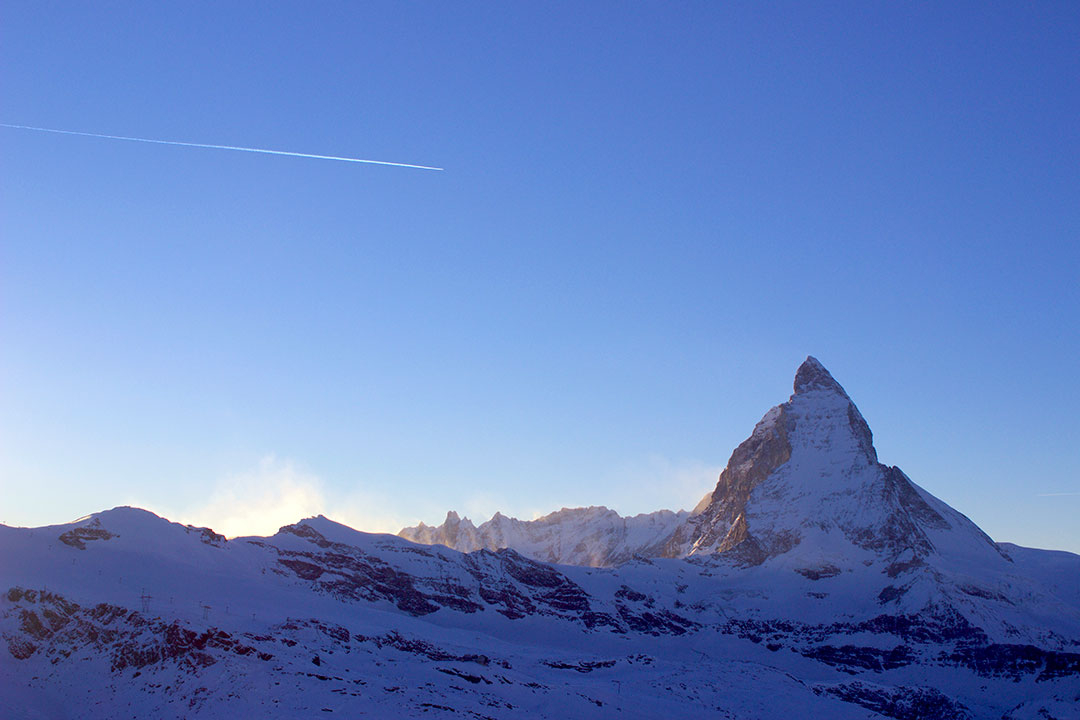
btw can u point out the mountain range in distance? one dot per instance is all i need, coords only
(813, 580)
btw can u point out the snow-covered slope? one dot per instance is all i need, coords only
(127, 615)
(814, 581)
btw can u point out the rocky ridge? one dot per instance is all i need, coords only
(592, 536)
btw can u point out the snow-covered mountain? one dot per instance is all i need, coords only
(807, 481)
(814, 582)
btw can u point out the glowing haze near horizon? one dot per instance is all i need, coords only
(650, 215)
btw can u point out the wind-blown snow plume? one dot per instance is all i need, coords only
(221, 147)
(260, 499)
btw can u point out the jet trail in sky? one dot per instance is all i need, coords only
(221, 147)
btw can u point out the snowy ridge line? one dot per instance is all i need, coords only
(814, 580)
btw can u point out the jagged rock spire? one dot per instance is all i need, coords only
(812, 375)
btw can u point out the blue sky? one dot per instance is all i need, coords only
(650, 214)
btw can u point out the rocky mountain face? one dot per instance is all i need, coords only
(808, 481)
(814, 581)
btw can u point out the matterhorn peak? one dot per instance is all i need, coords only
(812, 375)
(809, 477)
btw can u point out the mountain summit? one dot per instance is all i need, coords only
(812, 375)
(806, 484)
(808, 481)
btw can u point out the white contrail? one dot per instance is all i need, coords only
(221, 147)
(1064, 494)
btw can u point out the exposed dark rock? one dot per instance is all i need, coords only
(984, 593)
(207, 536)
(581, 666)
(818, 573)
(938, 625)
(529, 572)
(78, 537)
(305, 570)
(32, 626)
(422, 648)
(655, 623)
(632, 595)
(1015, 661)
(722, 524)
(891, 593)
(851, 658)
(21, 649)
(812, 375)
(467, 677)
(134, 642)
(335, 632)
(903, 703)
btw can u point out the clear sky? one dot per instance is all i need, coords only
(650, 214)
